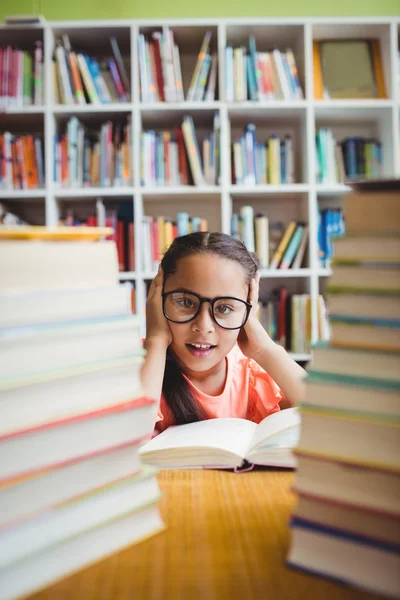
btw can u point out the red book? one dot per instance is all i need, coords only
(159, 73)
(154, 241)
(2, 50)
(121, 245)
(174, 230)
(131, 247)
(183, 166)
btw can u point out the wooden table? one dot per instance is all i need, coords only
(227, 537)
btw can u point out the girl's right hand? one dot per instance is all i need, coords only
(157, 328)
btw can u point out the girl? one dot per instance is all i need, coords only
(208, 355)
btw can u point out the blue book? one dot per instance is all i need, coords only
(182, 221)
(195, 224)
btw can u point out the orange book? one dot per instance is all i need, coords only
(203, 225)
(317, 71)
(377, 63)
(76, 78)
(33, 159)
(22, 163)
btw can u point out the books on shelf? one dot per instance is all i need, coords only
(348, 68)
(260, 76)
(256, 163)
(229, 443)
(276, 247)
(345, 525)
(21, 162)
(80, 79)
(84, 157)
(173, 158)
(158, 233)
(352, 157)
(21, 76)
(161, 72)
(287, 319)
(71, 479)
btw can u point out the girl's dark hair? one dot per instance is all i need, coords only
(176, 390)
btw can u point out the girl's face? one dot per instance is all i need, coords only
(209, 276)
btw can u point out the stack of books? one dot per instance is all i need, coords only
(81, 79)
(346, 524)
(85, 158)
(255, 163)
(21, 162)
(72, 488)
(161, 71)
(174, 158)
(260, 76)
(21, 76)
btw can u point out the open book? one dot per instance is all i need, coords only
(227, 443)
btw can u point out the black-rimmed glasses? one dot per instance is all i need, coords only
(228, 312)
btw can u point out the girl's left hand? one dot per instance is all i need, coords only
(253, 338)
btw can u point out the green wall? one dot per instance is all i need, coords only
(108, 9)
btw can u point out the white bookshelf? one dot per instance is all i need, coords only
(301, 118)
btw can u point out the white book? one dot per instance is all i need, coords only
(178, 74)
(210, 92)
(26, 351)
(27, 266)
(143, 69)
(67, 93)
(302, 249)
(285, 87)
(227, 442)
(32, 450)
(20, 542)
(34, 494)
(247, 215)
(43, 568)
(168, 59)
(262, 240)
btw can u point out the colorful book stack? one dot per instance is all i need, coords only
(253, 75)
(287, 319)
(256, 163)
(346, 524)
(158, 233)
(173, 158)
(80, 79)
(72, 488)
(353, 157)
(85, 158)
(276, 247)
(160, 69)
(330, 225)
(21, 162)
(21, 76)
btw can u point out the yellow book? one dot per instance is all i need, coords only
(54, 234)
(283, 244)
(274, 160)
(317, 71)
(168, 234)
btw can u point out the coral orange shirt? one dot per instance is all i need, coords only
(249, 393)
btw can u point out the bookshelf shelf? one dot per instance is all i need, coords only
(300, 357)
(301, 119)
(105, 192)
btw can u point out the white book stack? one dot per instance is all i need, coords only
(72, 488)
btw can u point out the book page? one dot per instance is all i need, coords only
(274, 424)
(231, 435)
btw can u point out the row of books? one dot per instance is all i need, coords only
(72, 485)
(161, 73)
(262, 162)
(330, 225)
(166, 156)
(158, 233)
(21, 76)
(287, 319)
(80, 79)
(353, 157)
(21, 162)
(85, 158)
(276, 246)
(346, 522)
(252, 75)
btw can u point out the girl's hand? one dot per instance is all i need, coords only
(253, 338)
(157, 328)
